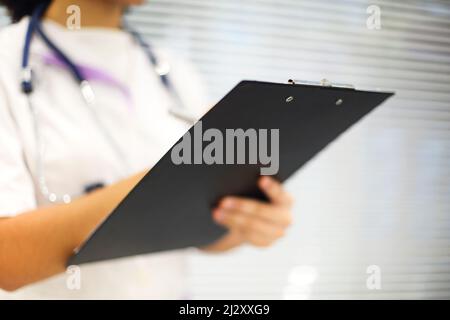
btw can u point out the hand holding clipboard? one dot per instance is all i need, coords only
(171, 207)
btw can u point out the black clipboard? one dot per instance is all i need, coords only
(171, 207)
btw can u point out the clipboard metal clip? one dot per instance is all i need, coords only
(322, 83)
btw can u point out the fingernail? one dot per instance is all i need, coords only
(227, 203)
(265, 182)
(218, 215)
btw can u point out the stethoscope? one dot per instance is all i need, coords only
(27, 86)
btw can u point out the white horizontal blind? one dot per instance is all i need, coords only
(381, 194)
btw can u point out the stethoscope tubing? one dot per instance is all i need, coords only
(27, 86)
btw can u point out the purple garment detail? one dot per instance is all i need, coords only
(93, 74)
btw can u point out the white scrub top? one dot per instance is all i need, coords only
(76, 153)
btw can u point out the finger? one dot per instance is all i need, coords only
(258, 240)
(268, 212)
(248, 225)
(275, 192)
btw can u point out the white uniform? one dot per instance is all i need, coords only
(77, 154)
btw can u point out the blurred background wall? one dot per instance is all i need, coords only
(376, 200)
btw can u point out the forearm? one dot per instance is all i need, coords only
(37, 244)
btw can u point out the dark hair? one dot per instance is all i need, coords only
(20, 8)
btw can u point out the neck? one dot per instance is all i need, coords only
(93, 13)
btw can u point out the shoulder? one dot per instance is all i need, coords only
(186, 79)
